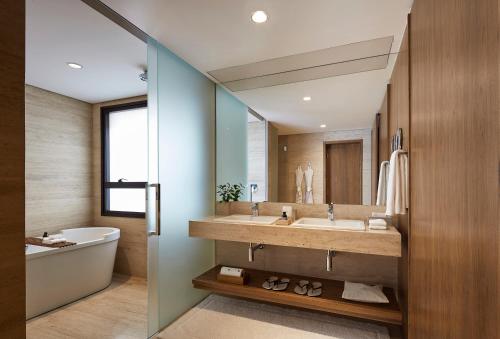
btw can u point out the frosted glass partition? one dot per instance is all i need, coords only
(184, 102)
(232, 123)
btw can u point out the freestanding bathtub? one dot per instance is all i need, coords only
(58, 276)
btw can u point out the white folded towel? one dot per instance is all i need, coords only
(397, 185)
(378, 214)
(377, 227)
(382, 183)
(365, 293)
(49, 241)
(377, 222)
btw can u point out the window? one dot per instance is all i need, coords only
(124, 146)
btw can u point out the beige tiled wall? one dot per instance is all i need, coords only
(58, 162)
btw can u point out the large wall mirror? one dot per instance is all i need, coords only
(304, 136)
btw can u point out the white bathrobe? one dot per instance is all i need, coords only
(299, 174)
(309, 190)
(397, 184)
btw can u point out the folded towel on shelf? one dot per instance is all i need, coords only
(397, 184)
(378, 214)
(377, 222)
(364, 293)
(382, 183)
(376, 227)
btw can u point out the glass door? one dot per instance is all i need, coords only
(181, 184)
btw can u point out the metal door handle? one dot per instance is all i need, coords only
(157, 198)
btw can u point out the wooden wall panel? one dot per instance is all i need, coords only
(383, 146)
(309, 147)
(131, 255)
(455, 138)
(272, 162)
(12, 263)
(399, 99)
(375, 161)
(399, 117)
(58, 162)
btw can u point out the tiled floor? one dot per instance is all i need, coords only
(219, 317)
(119, 311)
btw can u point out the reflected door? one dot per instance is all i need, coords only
(343, 172)
(181, 182)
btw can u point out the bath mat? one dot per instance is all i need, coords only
(39, 242)
(220, 317)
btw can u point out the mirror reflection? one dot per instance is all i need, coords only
(307, 128)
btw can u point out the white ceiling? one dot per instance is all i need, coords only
(219, 33)
(60, 31)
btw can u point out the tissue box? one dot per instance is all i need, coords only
(242, 280)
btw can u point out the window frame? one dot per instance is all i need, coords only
(105, 183)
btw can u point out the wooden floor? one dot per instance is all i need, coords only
(119, 311)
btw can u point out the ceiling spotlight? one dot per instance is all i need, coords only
(74, 65)
(306, 98)
(322, 126)
(259, 17)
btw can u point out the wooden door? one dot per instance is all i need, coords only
(343, 172)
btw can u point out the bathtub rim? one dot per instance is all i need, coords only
(113, 235)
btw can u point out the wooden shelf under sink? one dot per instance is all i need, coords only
(330, 301)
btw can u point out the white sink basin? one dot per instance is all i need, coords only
(339, 224)
(248, 219)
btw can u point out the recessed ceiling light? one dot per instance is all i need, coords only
(74, 65)
(306, 98)
(259, 17)
(322, 126)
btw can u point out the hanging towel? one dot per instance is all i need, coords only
(397, 184)
(299, 174)
(309, 191)
(382, 183)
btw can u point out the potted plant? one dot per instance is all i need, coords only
(228, 192)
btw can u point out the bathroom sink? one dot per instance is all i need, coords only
(240, 218)
(339, 224)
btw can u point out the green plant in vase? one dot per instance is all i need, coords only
(228, 192)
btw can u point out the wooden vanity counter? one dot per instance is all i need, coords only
(380, 242)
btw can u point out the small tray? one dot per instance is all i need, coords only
(282, 222)
(242, 280)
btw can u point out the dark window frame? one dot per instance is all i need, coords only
(105, 183)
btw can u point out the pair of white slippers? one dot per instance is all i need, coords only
(304, 287)
(276, 284)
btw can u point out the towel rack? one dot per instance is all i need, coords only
(397, 140)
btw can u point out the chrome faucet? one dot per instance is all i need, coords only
(331, 215)
(255, 209)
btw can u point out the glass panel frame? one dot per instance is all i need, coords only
(106, 184)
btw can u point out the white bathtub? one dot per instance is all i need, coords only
(58, 276)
